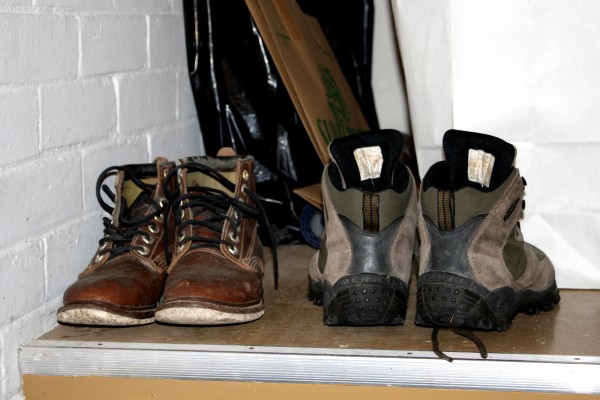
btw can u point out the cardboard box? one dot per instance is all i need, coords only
(312, 76)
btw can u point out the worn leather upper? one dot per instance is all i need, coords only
(130, 280)
(231, 272)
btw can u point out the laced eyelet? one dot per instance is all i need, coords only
(181, 237)
(99, 257)
(234, 237)
(144, 251)
(244, 188)
(165, 172)
(245, 174)
(180, 246)
(160, 217)
(232, 250)
(148, 239)
(182, 214)
(153, 228)
(103, 246)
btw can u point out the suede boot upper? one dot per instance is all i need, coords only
(470, 235)
(370, 206)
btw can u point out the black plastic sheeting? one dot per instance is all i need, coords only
(242, 103)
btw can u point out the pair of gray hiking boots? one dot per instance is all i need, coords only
(475, 271)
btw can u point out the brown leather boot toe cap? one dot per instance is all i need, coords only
(208, 277)
(120, 284)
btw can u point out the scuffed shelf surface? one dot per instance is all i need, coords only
(290, 339)
(572, 328)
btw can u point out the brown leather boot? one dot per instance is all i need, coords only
(216, 275)
(122, 284)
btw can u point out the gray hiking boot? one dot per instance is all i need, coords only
(476, 272)
(360, 273)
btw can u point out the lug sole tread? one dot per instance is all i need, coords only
(448, 300)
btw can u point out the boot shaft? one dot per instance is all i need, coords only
(361, 271)
(475, 269)
(214, 206)
(138, 215)
(369, 199)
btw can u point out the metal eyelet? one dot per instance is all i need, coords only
(234, 237)
(144, 251)
(160, 217)
(99, 257)
(148, 239)
(245, 174)
(103, 246)
(232, 250)
(180, 246)
(182, 214)
(244, 188)
(181, 237)
(165, 172)
(153, 228)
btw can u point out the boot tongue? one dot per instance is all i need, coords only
(134, 195)
(367, 160)
(225, 163)
(200, 182)
(477, 160)
(139, 208)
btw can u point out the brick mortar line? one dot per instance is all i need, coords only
(77, 149)
(16, 247)
(65, 11)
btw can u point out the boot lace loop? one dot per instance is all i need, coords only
(213, 205)
(127, 228)
(462, 332)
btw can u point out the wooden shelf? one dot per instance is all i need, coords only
(553, 352)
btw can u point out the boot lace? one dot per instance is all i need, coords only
(213, 204)
(462, 332)
(122, 234)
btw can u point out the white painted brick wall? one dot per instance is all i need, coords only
(164, 31)
(19, 115)
(146, 100)
(112, 43)
(91, 114)
(84, 84)
(39, 194)
(75, 4)
(68, 249)
(38, 47)
(134, 150)
(186, 108)
(143, 6)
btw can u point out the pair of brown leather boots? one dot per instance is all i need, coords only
(475, 271)
(181, 246)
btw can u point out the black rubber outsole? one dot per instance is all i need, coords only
(448, 300)
(361, 300)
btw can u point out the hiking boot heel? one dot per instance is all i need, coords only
(366, 299)
(450, 300)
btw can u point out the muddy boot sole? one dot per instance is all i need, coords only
(362, 299)
(449, 300)
(93, 314)
(206, 313)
